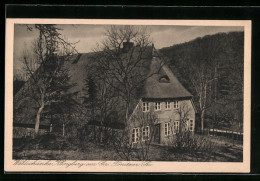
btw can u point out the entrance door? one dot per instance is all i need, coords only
(157, 133)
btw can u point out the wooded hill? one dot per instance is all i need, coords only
(211, 68)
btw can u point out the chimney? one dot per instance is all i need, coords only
(127, 46)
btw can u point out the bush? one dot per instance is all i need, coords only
(46, 142)
(53, 142)
(187, 142)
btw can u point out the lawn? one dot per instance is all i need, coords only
(225, 150)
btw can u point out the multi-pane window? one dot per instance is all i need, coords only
(191, 127)
(167, 129)
(175, 104)
(145, 106)
(135, 135)
(176, 126)
(167, 105)
(146, 133)
(157, 106)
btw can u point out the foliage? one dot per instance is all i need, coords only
(48, 79)
(121, 59)
(188, 142)
(211, 68)
(17, 84)
(139, 149)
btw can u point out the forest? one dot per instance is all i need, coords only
(211, 68)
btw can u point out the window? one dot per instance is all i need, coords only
(167, 105)
(176, 126)
(145, 106)
(135, 135)
(167, 129)
(191, 127)
(175, 104)
(146, 133)
(157, 106)
(164, 79)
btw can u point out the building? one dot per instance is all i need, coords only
(162, 96)
(164, 105)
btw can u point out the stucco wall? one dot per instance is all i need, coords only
(164, 115)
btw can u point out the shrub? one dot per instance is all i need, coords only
(53, 142)
(187, 142)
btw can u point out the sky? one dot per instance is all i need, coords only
(90, 35)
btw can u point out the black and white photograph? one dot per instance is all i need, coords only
(128, 93)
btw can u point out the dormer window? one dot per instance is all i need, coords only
(164, 79)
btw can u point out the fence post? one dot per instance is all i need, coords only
(226, 134)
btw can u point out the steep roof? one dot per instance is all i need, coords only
(154, 86)
(160, 84)
(163, 84)
(155, 69)
(77, 66)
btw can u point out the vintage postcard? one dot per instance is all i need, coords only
(127, 96)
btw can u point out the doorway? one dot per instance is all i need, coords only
(157, 133)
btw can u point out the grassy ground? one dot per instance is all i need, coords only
(225, 150)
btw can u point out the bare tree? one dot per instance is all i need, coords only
(122, 57)
(202, 74)
(182, 139)
(106, 101)
(179, 132)
(134, 142)
(184, 113)
(48, 78)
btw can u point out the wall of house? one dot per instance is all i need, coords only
(165, 115)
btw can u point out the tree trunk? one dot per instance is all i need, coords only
(63, 129)
(126, 113)
(50, 128)
(38, 117)
(202, 120)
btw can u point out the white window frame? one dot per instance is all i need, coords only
(176, 127)
(167, 129)
(145, 133)
(167, 105)
(191, 128)
(157, 107)
(175, 104)
(146, 107)
(135, 133)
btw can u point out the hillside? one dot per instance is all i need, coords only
(219, 60)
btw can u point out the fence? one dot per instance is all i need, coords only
(225, 133)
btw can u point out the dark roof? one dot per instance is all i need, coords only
(163, 84)
(153, 87)
(77, 66)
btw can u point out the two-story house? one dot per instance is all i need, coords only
(165, 104)
(162, 97)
